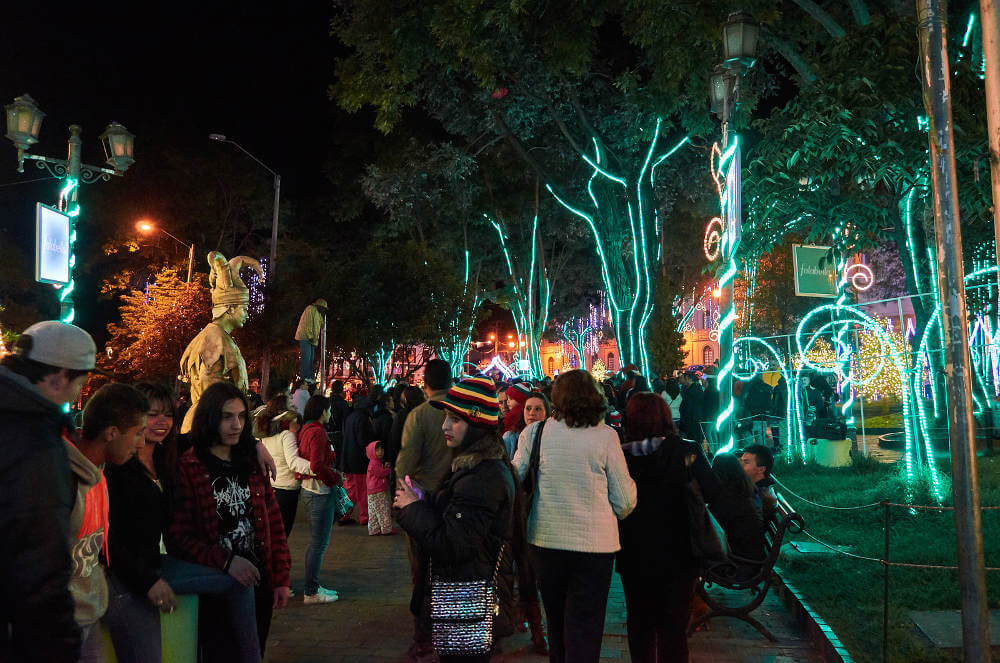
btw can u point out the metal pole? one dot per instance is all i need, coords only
(954, 322)
(265, 360)
(885, 588)
(190, 262)
(991, 72)
(66, 307)
(322, 358)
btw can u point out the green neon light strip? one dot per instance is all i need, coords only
(968, 30)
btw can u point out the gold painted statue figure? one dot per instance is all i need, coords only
(212, 356)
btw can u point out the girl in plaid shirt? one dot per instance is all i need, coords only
(225, 514)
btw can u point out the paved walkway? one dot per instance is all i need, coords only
(371, 621)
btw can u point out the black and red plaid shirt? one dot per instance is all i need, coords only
(193, 534)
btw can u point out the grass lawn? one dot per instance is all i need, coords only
(847, 592)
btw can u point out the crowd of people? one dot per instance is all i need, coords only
(542, 489)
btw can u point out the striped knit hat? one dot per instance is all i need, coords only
(474, 399)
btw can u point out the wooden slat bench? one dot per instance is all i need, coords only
(783, 519)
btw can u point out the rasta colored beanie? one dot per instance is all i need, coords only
(473, 399)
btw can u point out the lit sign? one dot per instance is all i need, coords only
(51, 245)
(815, 273)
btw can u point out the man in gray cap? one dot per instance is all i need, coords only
(307, 334)
(50, 365)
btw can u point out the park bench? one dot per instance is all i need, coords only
(782, 520)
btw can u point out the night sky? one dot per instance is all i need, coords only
(171, 73)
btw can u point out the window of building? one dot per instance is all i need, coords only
(708, 355)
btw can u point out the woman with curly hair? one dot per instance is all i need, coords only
(582, 490)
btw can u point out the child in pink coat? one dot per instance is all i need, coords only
(379, 520)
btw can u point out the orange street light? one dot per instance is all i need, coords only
(146, 226)
(716, 293)
(511, 344)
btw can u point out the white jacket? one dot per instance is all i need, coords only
(584, 487)
(284, 449)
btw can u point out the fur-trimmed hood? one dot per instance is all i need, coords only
(489, 447)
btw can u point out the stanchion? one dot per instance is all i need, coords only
(885, 588)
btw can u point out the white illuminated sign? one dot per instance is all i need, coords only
(51, 245)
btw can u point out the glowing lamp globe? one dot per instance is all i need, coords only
(720, 87)
(739, 41)
(24, 121)
(118, 146)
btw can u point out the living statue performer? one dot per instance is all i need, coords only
(212, 356)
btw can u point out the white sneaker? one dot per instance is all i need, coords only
(318, 597)
(328, 592)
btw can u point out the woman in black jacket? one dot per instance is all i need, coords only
(656, 564)
(464, 526)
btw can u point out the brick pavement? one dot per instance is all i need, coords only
(371, 621)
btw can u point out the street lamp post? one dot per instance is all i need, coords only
(24, 121)
(147, 227)
(265, 361)
(739, 42)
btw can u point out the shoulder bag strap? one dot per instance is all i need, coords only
(536, 448)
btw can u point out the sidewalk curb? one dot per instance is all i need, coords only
(820, 632)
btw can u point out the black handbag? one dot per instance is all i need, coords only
(463, 612)
(530, 483)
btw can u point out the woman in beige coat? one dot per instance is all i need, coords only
(583, 489)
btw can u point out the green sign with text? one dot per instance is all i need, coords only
(815, 272)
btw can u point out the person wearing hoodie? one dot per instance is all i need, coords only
(379, 520)
(114, 423)
(50, 364)
(464, 525)
(314, 446)
(656, 563)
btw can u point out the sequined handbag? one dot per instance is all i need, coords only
(462, 613)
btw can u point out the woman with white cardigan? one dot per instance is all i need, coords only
(583, 489)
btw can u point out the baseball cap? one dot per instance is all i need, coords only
(58, 344)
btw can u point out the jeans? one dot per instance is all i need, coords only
(574, 588)
(92, 648)
(320, 509)
(306, 353)
(134, 622)
(288, 503)
(658, 611)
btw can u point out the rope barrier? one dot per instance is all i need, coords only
(884, 562)
(824, 506)
(874, 504)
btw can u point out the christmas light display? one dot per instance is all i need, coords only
(530, 319)
(453, 348)
(599, 371)
(713, 235)
(860, 275)
(69, 203)
(629, 290)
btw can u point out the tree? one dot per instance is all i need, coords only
(665, 340)
(158, 321)
(583, 101)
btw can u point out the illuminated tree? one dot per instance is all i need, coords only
(157, 323)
